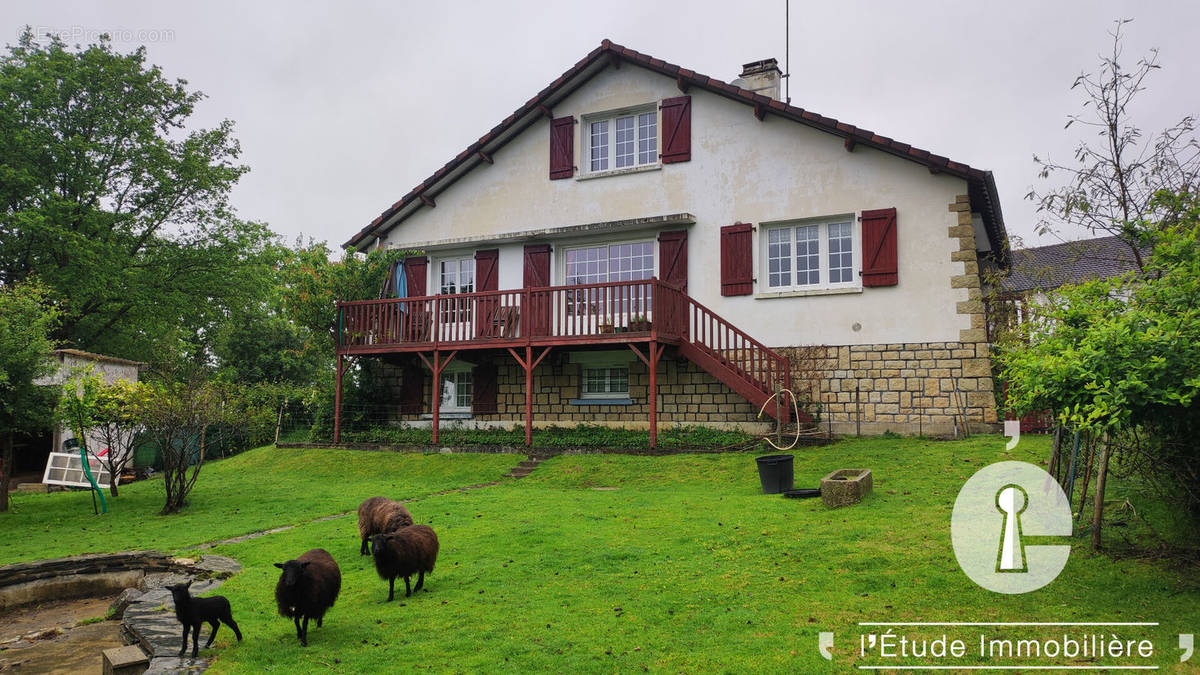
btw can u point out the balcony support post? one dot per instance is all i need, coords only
(651, 359)
(437, 366)
(337, 400)
(528, 364)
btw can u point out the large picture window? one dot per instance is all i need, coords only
(622, 141)
(810, 256)
(632, 261)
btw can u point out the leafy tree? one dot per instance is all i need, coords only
(177, 417)
(313, 284)
(187, 417)
(1110, 186)
(26, 320)
(1121, 357)
(98, 410)
(115, 205)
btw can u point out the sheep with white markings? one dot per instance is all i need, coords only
(403, 553)
(307, 588)
(380, 515)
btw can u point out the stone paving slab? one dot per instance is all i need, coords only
(150, 620)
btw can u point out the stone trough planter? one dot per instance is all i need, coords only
(845, 487)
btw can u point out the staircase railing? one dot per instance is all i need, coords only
(712, 335)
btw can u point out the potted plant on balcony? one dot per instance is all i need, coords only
(639, 323)
(606, 326)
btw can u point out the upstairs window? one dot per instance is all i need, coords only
(622, 141)
(810, 256)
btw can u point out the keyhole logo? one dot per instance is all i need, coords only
(1000, 506)
(1011, 501)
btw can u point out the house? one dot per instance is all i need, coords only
(1034, 272)
(1037, 270)
(68, 364)
(641, 244)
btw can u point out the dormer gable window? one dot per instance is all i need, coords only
(621, 140)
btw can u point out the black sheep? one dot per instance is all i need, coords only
(192, 612)
(307, 589)
(380, 515)
(408, 551)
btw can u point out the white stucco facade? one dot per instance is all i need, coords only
(741, 170)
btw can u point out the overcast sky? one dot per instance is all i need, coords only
(343, 107)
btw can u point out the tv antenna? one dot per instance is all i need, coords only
(787, 52)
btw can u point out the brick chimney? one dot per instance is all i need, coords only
(762, 77)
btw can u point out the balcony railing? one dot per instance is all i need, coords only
(575, 313)
(562, 315)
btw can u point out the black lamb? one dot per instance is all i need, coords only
(380, 515)
(403, 553)
(307, 589)
(192, 612)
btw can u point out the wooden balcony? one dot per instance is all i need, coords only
(528, 322)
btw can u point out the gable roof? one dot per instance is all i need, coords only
(981, 185)
(1048, 267)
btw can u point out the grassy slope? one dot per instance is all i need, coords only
(256, 490)
(684, 568)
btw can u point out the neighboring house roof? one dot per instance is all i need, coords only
(981, 185)
(1048, 267)
(91, 356)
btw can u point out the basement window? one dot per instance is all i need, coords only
(603, 376)
(456, 391)
(610, 382)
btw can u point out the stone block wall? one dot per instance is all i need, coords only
(686, 395)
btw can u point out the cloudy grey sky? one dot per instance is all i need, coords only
(342, 107)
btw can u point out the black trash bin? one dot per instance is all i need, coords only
(775, 473)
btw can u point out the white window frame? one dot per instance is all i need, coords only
(562, 272)
(645, 309)
(455, 312)
(823, 225)
(453, 374)
(611, 117)
(601, 361)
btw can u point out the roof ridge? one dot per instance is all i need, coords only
(982, 182)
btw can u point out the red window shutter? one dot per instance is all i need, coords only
(737, 259)
(487, 278)
(537, 266)
(483, 389)
(412, 390)
(673, 257)
(536, 319)
(562, 148)
(879, 261)
(487, 270)
(677, 129)
(415, 274)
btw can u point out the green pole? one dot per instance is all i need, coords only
(88, 471)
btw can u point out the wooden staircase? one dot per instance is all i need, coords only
(731, 355)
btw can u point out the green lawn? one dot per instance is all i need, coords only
(256, 490)
(684, 567)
